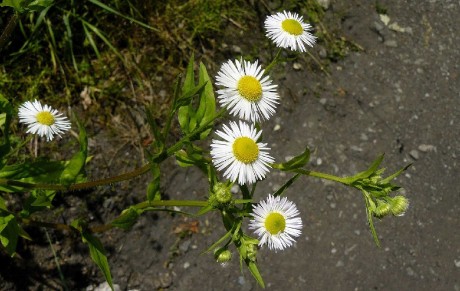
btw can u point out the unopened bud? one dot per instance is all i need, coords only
(222, 192)
(223, 256)
(382, 209)
(399, 205)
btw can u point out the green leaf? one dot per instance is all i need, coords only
(39, 5)
(68, 37)
(207, 108)
(15, 4)
(2, 204)
(365, 174)
(155, 128)
(113, 11)
(40, 171)
(104, 38)
(186, 97)
(391, 177)
(77, 163)
(6, 111)
(255, 273)
(369, 205)
(286, 185)
(73, 169)
(189, 84)
(98, 256)
(204, 210)
(127, 218)
(9, 232)
(183, 159)
(296, 162)
(92, 42)
(189, 119)
(219, 241)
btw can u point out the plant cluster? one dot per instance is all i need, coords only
(237, 157)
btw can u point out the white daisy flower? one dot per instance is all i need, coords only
(288, 30)
(247, 93)
(244, 159)
(43, 120)
(276, 223)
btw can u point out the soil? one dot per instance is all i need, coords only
(398, 95)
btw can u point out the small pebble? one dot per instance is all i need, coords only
(297, 66)
(391, 43)
(426, 148)
(457, 263)
(414, 154)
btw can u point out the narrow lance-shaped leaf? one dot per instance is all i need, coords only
(369, 207)
(78, 161)
(98, 255)
(158, 144)
(6, 112)
(391, 177)
(113, 11)
(286, 185)
(207, 108)
(9, 231)
(296, 162)
(255, 273)
(365, 174)
(127, 218)
(189, 84)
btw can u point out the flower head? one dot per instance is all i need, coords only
(288, 30)
(399, 205)
(247, 93)
(244, 159)
(43, 120)
(276, 222)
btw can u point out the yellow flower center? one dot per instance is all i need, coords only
(275, 223)
(250, 88)
(245, 150)
(45, 118)
(292, 26)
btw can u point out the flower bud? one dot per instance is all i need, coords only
(382, 209)
(222, 192)
(399, 205)
(223, 256)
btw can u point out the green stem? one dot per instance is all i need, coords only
(322, 176)
(274, 62)
(192, 203)
(78, 186)
(58, 226)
